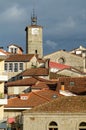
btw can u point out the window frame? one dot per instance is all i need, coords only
(11, 67)
(15, 50)
(82, 125)
(11, 50)
(72, 83)
(53, 126)
(21, 67)
(6, 67)
(15, 67)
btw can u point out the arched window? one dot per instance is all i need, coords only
(82, 126)
(61, 60)
(53, 126)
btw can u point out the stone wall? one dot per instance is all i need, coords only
(66, 58)
(65, 121)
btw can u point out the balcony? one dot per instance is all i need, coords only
(3, 76)
(3, 99)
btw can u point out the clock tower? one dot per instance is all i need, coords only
(34, 37)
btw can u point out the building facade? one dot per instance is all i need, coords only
(63, 113)
(66, 58)
(3, 98)
(15, 64)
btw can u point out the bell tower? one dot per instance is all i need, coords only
(34, 43)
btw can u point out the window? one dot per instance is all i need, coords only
(10, 66)
(82, 126)
(11, 50)
(61, 60)
(35, 51)
(5, 67)
(15, 50)
(53, 126)
(72, 83)
(15, 67)
(21, 66)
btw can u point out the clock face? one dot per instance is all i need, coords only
(35, 31)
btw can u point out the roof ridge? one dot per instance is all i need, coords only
(41, 96)
(63, 52)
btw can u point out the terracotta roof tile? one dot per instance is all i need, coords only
(36, 83)
(78, 90)
(22, 82)
(19, 58)
(40, 60)
(35, 72)
(69, 104)
(4, 52)
(79, 84)
(33, 99)
(57, 65)
(40, 85)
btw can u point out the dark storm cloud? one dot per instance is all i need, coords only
(63, 21)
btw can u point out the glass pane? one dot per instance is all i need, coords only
(72, 83)
(21, 66)
(5, 66)
(15, 67)
(10, 66)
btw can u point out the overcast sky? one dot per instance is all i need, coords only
(63, 21)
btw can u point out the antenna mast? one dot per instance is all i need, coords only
(33, 18)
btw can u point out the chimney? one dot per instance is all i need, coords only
(62, 86)
(47, 63)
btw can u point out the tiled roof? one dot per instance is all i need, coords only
(35, 72)
(40, 85)
(4, 52)
(57, 65)
(19, 58)
(63, 53)
(79, 86)
(72, 69)
(33, 99)
(69, 104)
(22, 82)
(77, 80)
(44, 84)
(40, 60)
(35, 82)
(78, 89)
